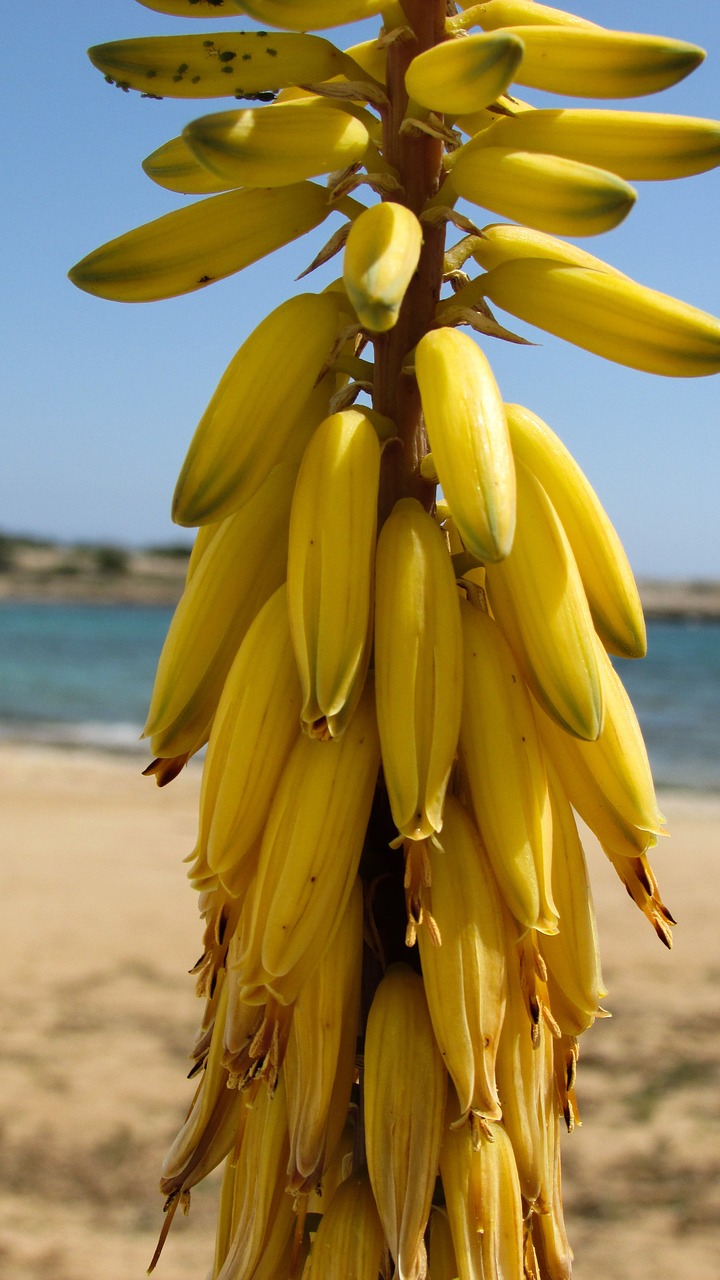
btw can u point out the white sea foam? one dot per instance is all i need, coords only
(88, 733)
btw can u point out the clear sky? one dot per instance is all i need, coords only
(101, 398)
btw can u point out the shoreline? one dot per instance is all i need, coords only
(130, 760)
(662, 601)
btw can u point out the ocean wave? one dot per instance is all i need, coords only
(99, 735)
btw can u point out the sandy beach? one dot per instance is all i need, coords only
(100, 929)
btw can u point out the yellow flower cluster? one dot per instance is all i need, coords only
(406, 694)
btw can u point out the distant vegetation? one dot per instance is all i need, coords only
(23, 551)
(109, 559)
(173, 550)
(38, 568)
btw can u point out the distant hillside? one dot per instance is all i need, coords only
(36, 569)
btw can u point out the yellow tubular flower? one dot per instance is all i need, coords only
(330, 568)
(259, 406)
(537, 595)
(203, 538)
(504, 242)
(365, 61)
(224, 1125)
(320, 1060)
(259, 1180)
(212, 1122)
(242, 567)
(609, 781)
(464, 976)
(349, 1240)
(306, 15)
(610, 315)
(549, 1237)
(468, 434)
(418, 666)
(526, 1082)
(232, 64)
(278, 1248)
(640, 145)
(503, 768)
(464, 75)
(606, 575)
(588, 63)
(253, 731)
(381, 255)
(405, 1089)
(241, 1020)
(321, 1197)
(508, 13)
(572, 954)
(482, 1195)
(478, 121)
(549, 193)
(192, 247)
(277, 145)
(371, 55)
(397, 615)
(193, 8)
(223, 1230)
(174, 167)
(441, 1254)
(310, 854)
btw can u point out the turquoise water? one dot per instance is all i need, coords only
(82, 674)
(676, 693)
(78, 673)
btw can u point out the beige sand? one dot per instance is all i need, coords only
(99, 929)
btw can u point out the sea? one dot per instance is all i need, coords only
(76, 675)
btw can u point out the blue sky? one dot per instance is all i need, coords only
(101, 399)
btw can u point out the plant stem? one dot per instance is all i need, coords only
(417, 158)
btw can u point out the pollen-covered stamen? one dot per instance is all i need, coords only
(479, 1128)
(170, 1208)
(319, 729)
(221, 915)
(259, 1059)
(642, 886)
(533, 981)
(267, 1049)
(417, 882)
(565, 1058)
